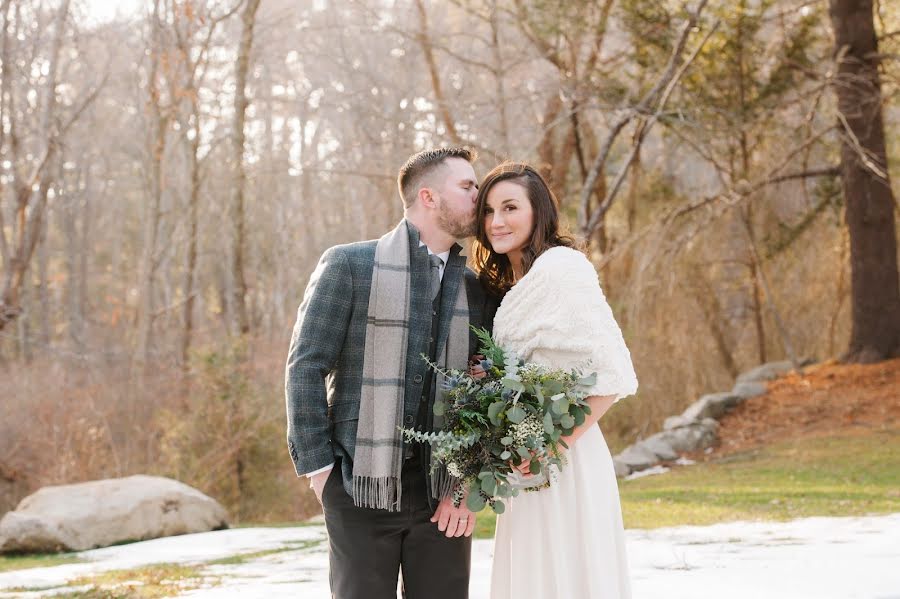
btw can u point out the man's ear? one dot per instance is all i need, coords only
(426, 197)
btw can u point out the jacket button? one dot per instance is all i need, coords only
(408, 419)
(417, 378)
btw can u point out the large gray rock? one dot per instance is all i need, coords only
(105, 512)
(766, 372)
(637, 457)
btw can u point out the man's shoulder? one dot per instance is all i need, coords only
(357, 250)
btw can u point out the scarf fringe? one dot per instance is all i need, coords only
(442, 484)
(380, 493)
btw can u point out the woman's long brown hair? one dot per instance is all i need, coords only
(494, 270)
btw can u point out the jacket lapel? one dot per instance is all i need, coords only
(419, 299)
(453, 275)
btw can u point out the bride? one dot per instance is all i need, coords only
(565, 541)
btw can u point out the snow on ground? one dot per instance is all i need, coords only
(815, 558)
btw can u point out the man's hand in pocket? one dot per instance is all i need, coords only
(317, 482)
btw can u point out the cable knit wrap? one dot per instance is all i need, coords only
(557, 315)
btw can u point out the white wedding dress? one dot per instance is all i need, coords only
(566, 541)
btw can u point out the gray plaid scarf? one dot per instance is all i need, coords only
(378, 459)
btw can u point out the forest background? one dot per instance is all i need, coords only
(170, 175)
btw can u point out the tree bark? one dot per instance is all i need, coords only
(240, 321)
(875, 289)
(158, 127)
(30, 189)
(437, 87)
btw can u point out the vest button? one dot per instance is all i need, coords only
(417, 378)
(408, 419)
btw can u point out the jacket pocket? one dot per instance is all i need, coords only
(344, 411)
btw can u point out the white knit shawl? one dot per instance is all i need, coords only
(557, 315)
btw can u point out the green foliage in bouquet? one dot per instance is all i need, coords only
(516, 412)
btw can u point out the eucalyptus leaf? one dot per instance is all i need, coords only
(513, 384)
(578, 415)
(535, 466)
(475, 502)
(548, 423)
(567, 421)
(439, 408)
(561, 406)
(499, 507)
(505, 455)
(489, 486)
(516, 414)
(588, 381)
(506, 440)
(524, 453)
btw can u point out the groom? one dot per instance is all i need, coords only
(355, 375)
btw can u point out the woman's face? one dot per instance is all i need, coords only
(508, 218)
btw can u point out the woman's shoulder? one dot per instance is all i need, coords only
(563, 262)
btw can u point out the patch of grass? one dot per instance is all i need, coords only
(146, 582)
(245, 557)
(22, 562)
(847, 475)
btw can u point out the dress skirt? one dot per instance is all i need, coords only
(566, 541)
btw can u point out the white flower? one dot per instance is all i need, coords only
(453, 469)
(530, 427)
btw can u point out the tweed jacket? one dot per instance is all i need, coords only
(323, 376)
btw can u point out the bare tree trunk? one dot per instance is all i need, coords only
(31, 189)
(43, 312)
(158, 126)
(193, 227)
(436, 86)
(875, 288)
(240, 321)
(499, 82)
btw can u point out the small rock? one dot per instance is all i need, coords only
(637, 457)
(748, 390)
(674, 422)
(692, 437)
(659, 447)
(766, 372)
(713, 405)
(621, 467)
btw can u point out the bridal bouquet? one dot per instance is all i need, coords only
(515, 412)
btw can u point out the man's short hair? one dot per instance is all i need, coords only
(421, 165)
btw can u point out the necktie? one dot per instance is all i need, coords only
(436, 264)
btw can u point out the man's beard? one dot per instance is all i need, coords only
(459, 226)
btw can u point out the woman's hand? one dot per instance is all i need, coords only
(524, 467)
(475, 369)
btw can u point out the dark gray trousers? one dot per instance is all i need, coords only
(368, 547)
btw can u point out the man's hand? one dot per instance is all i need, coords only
(317, 482)
(454, 521)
